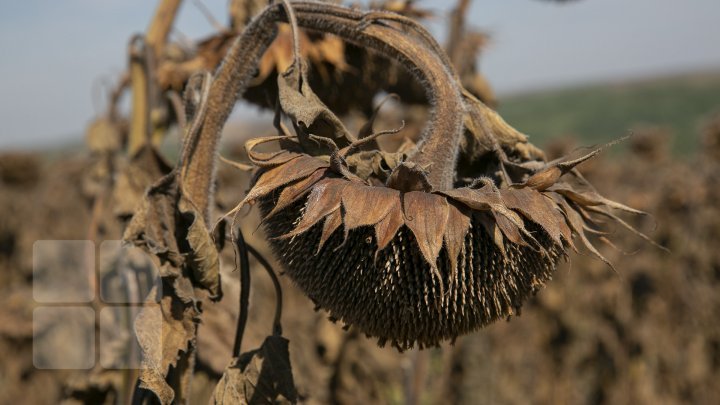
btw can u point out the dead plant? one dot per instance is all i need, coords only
(414, 246)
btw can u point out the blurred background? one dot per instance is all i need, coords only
(599, 66)
(567, 73)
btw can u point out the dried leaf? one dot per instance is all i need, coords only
(552, 172)
(408, 176)
(262, 376)
(591, 198)
(367, 205)
(493, 230)
(577, 223)
(387, 228)
(203, 258)
(538, 209)
(266, 159)
(458, 225)
(165, 333)
(544, 178)
(294, 191)
(133, 179)
(332, 223)
(488, 199)
(152, 227)
(426, 215)
(279, 176)
(325, 197)
(306, 110)
(509, 228)
(155, 228)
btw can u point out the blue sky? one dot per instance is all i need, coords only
(52, 51)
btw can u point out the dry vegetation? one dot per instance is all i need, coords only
(444, 222)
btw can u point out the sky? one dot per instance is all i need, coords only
(53, 53)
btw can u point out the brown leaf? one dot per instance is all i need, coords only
(152, 227)
(484, 199)
(493, 230)
(165, 332)
(306, 110)
(279, 176)
(155, 228)
(487, 129)
(538, 209)
(458, 224)
(577, 223)
(426, 215)
(408, 176)
(262, 376)
(552, 172)
(203, 258)
(367, 205)
(544, 178)
(325, 197)
(267, 159)
(509, 228)
(627, 226)
(294, 191)
(386, 229)
(133, 179)
(332, 223)
(591, 198)
(489, 199)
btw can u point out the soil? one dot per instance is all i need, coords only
(647, 333)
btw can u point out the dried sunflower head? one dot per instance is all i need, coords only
(415, 246)
(415, 265)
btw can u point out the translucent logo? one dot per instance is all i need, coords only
(87, 298)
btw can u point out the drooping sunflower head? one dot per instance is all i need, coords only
(420, 245)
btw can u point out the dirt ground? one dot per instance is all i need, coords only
(648, 333)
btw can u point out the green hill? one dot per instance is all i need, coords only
(599, 113)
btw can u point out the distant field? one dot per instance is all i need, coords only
(598, 113)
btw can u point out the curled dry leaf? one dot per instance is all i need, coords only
(261, 376)
(167, 226)
(165, 329)
(134, 177)
(308, 113)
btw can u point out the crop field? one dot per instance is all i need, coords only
(393, 233)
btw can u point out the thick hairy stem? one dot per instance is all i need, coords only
(441, 138)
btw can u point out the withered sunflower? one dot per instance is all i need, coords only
(424, 244)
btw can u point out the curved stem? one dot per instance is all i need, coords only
(242, 250)
(139, 81)
(437, 151)
(161, 25)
